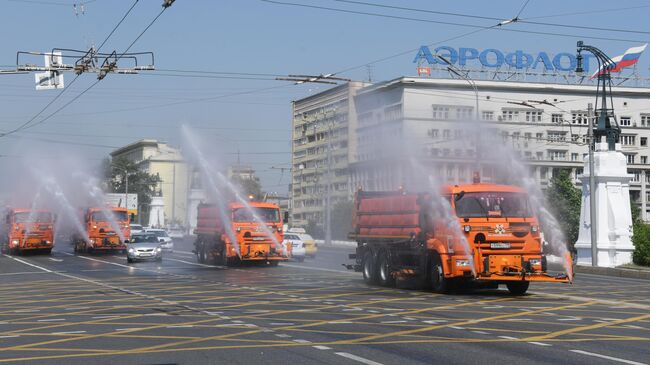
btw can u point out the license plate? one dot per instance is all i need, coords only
(500, 245)
(258, 238)
(145, 254)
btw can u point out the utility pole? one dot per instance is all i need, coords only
(328, 197)
(592, 187)
(126, 192)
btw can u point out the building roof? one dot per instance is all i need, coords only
(164, 152)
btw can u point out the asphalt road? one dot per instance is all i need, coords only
(96, 309)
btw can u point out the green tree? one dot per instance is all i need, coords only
(640, 237)
(342, 219)
(140, 182)
(564, 200)
(248, 187)
(315, 229)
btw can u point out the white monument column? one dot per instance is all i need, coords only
(157, 212)
(613, 215)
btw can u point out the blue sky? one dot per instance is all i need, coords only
(248, 36)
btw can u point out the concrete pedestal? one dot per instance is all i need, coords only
(195, 198)
(613, 215)
(157, 212)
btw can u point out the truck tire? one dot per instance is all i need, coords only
(200, 254)
(47, 251)
(222, 260)
(518, 287)
(439, 283)
(369, 268)
(385, 276)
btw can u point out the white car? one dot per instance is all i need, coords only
(136, 229)
(166, 242)
(297, 246)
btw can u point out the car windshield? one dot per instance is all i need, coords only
(41, 217)
(136, 227)
(492, 204)
(264, 214)
(143, 238)
(160, 233)
(305, 237)
(109, 216)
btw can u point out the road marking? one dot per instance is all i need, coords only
(282, 324)
(103, 317)
(55, 260)
(435, 321)
(282, 335)
(608, 357)
(68, 332)
(539, 343)
(340, 322)
(481, 332)
(318, 269)
(22, 273)
(319, 347)
(616, 303)
(358, 358)
(508, 337)
(12, 336)
(570, 319)
(180, 326)
(392, 322)
(633, 326)
(28, 263)
(185, 252)
(51, 320)
(196, 263)
(456, 327)
(301, 341)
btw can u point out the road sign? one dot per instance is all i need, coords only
(118, 200)
(52, 79)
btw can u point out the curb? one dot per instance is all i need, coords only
(612, 271)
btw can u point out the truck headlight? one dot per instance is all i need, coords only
(535, 262)
(534, 229)
(467, 229)
(15, 242)
(462, 262)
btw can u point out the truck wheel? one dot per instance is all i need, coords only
(200, 256)
(47, 251)
(439, 283)
(369, 269)
(385, 275)
(223, 257)
(518, 287)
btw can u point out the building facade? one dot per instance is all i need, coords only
(545, 125)
(323, 140)
(403, 122)
(158, 158)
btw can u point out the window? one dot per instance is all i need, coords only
(510, 115)
(628, 140)
(435, 152)
(539, 155)
(556, 118)
(539, 136)
(446, 133)
(574, 137)
(534, 116)
(574, 157)
(440, 112)
(504, 135)
(644, 141)
(556, 155)
(644, 160)
(515, 135)
(527, 136)
(458, 134)
(487, 115)
(393, 112)
(579, 117)
(630, 159)
(445, 152)
(433, 133)
(528, 155)
(464, 113)
(645, 120)
(556, 136)
(626, 121)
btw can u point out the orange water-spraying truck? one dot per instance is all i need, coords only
(28, 230)
(470, 235)
(235, 232)
(106, 229)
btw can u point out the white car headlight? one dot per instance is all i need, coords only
(131, 250)
(158, 249)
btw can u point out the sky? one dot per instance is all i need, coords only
(241, 46)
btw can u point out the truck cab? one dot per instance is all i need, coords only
(28, 230)
(106, 229)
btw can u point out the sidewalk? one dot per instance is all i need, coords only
(623, 272)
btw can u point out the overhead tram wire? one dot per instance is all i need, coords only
(98, 80)
(519, 20)
(27, 123)
(506, 29)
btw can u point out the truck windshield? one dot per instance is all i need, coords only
(109, 216)
(41, 217)
(264, 214)
(492, 204)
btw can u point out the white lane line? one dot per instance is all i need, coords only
(481, 332)
(281, 323)
(616, 303)
(435, 321)
(570, 319)
(457, 328)
(301, 341)
(539, 343)
(55, 260)
(317, 269)
(185, 253)
(11, 336)
(392, 322)
(608, 357)
(180, 326)
(22, 273)
(319, 347)
(195, 263)
(104, 317)
(68, 333)
(282, 335)
(633, 326)
(339, 322)
(508, 337)
(28, 263)
(107, 262)
(358, 358)
(51, 320)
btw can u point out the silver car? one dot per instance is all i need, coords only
(143, 247)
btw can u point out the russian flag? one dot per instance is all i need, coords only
(627, 59)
